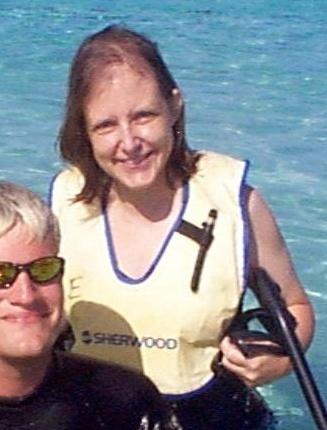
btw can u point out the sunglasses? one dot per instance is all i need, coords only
(40, 271)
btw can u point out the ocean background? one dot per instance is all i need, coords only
(253, 75)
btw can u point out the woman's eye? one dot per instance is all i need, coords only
(104, 127)
(143, 117)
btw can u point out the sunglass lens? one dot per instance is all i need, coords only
(45, 269)
(7, 274)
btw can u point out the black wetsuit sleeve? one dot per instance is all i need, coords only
(82, 394)
(130, 397)
(119, 397)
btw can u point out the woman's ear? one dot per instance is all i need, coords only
(177, 104)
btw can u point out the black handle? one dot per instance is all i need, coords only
(269, 297)
(205, 241)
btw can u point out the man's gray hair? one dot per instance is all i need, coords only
(19, 205)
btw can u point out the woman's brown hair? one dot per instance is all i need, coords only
(111, 45)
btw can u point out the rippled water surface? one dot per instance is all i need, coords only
(254, 78)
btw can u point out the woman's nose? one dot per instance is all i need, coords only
(128, 138)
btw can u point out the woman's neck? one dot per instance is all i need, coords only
(155, 204)
(140, 226)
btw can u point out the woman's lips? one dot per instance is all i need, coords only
(137, 162)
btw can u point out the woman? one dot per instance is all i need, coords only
(139, 210)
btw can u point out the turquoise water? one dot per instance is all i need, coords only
(254, 79)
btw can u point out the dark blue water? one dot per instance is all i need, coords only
(254, 78)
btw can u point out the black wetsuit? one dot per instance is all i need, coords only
(227, 405)
(83, 394)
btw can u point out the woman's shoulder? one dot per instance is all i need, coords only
(215, 160)
(65, 185)
(70, 175)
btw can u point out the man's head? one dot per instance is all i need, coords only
(30, 275)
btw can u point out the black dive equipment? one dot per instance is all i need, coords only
(205, 241)
(268, 294)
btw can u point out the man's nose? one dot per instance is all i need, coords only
(23, 290)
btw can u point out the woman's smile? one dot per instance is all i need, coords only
(130, 125)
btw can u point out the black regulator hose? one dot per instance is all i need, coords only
(268, 295)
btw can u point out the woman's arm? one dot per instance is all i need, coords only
(269, 251)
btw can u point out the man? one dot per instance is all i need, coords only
(41, 389)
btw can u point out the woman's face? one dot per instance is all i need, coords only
(129, 124)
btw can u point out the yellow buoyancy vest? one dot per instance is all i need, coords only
(157, 324)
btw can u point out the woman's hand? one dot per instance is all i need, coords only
(255, 370)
